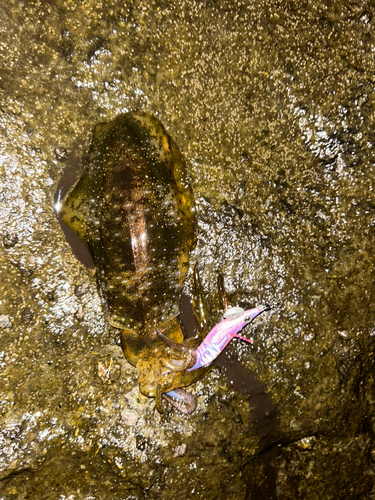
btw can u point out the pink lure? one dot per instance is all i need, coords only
(235, 318)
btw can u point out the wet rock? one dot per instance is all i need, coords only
(274, 110)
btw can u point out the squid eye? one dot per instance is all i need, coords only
(233, 312)
(178, 362)
(175, 365)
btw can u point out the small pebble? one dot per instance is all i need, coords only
(180, 451)
(5, 321)
(10, 239)
(61, 154)
(308, 336)
(306, 443)
(81, 289)
(343, 334)
(79, 314)
(27, 315)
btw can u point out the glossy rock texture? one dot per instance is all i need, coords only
(272, 104)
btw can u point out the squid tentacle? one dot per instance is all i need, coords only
(183, 349)
(158, 396)
(181, 400)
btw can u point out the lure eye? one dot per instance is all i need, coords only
(233, 312)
